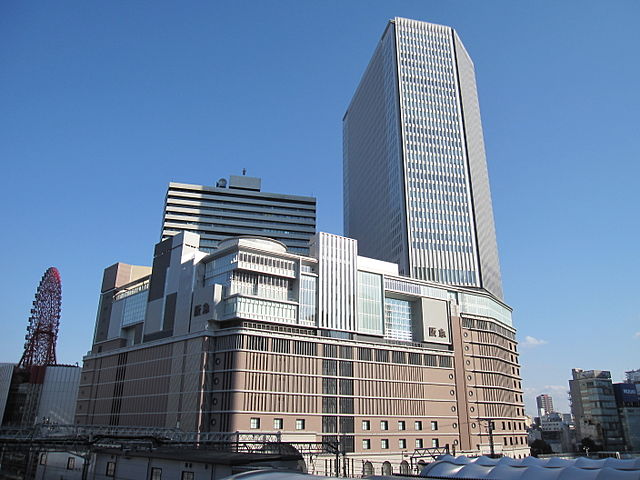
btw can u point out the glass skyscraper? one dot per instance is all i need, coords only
(416, 187)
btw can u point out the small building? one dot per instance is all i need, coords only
(38, 394)
(557, 433)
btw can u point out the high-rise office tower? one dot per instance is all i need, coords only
(593, 405)
(544, 403)
(239, 207)
(416, 187)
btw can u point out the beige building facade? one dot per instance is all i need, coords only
(330, 347)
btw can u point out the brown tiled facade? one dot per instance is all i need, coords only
(214, 367)
(382, 401)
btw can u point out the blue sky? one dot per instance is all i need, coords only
(104, 103)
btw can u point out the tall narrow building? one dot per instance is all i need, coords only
(544, 403)
(593, 405)
(416, 187)
(239, 207)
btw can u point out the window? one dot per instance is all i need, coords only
(156, 473)
(43, 459)
(71, 463)
(434, 425)
(384, 443)
(384, 425)
(402, 425)
(418, 443)
(435, 443)
(187, 475)
(418, 425)
(111, 469)
(366, 444)
(278, 423)
(402, 443)
(300, 424)
(255, 423)
(366, 425)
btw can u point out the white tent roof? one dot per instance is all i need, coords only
(530, 468)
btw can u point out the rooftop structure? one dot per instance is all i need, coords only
(632, 376)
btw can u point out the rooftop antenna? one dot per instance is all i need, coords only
(244, 171)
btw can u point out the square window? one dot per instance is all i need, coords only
(418, 443)
(71, 463)
(402, 443)
(418, 425)
(366, 425)
(156, 473)
(254, 423)
(111, 469)
(434, 425)
(366, 444)
(402, 425)
(435, 443)
(187, 476)
(384, 425)
(384, 443)
(300, 424)
(278, 423)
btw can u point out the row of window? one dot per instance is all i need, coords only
(402, 443)
(233, 215)
(227, 197)
(278, 423)
(261, 344)
(402, 425)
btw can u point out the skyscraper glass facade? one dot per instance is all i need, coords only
(439, 208)
(416, 185)
(371, 142)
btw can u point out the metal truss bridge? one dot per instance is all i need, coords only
(54, 437)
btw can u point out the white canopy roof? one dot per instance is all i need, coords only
(530, 468)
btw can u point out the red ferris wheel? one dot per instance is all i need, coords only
(42, 332)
